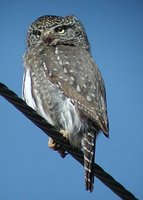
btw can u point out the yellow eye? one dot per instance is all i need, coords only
(60, 30)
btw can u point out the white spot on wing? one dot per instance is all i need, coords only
(58, 57)
(65, 70)
(50, 73)
(59, 83)
(84, 85)
(78, 88)
(97, 117)
(71, 70)
(67, 63)
(56, 50)
(66, 79)
(93, 94)
(60, 62)
(88, 98)
(44, 65)
(83, 78)
(72, 78)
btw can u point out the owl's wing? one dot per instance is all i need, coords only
(78, 78)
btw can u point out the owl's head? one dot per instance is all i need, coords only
(55, 30)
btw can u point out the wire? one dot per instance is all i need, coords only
(103, 176)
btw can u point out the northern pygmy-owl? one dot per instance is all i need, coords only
(63, 84)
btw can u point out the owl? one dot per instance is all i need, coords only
(63, 84)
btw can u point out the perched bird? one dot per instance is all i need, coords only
(63, 84)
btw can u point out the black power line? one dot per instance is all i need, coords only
(107, 179)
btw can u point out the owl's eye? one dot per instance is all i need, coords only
(37, 33)
(60, 29)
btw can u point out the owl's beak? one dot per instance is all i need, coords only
(48, 38)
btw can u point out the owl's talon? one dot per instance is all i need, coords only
(52, 144)
(62, 153)
(64, 133)
(56, 147)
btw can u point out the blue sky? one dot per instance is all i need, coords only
(28, 169)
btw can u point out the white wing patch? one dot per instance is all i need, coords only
(26, 90)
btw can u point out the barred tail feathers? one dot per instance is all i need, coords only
(89, 154)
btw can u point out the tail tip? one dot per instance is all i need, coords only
(89, 185)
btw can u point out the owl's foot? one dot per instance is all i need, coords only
(56, 147)
(64, 133)
(52, 144)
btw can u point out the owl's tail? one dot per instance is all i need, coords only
(89, 154)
